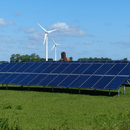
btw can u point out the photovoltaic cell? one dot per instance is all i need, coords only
(88, 74)
(115, 69)
(126, 70)
(103, 82)
(70, 69)
(81, 69)
(4, 76)
(90, 82)
(38, 79)
(24, 67)
(51, 68)
(116, 83)
(46, 80)
(28, 79)
(3, 65)
(10, 78)
(68, 81)
(57, 80)
(79, 81)
(92, 68)
(7, 67)
(104, 69)
(61, 68)
(42, 67)
(14, 68)
(33, 67)
(19, 79)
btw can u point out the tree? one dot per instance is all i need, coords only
(12, 58)
(17, 58)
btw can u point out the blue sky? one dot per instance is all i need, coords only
(86, 28)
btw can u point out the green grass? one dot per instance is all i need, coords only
(41, 109)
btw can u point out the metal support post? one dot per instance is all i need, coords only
(6, 87)
(79, 91)
(2, 85)
(118, 92)
(124, 89)
(94, 90)
(22, 86)
(109, 92)
(52, 89)
(28, 88)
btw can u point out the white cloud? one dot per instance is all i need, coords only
(88, 43)
(123, 42)
(3, 22)
(63, 30)
(27, 30)
(8, 40)
(67, 30)
(18, 13)
(36, 36)
(31, 47)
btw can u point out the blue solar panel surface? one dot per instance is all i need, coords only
(67, 81)
(80, 74)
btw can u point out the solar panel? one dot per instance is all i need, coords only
(7, 67)
(57, 80)
(3, 65)
(79, 81)
(67, 81)
(80, 74)
(41, 67)
(38, 79)
(103, 82)
(61, 68)
(92, 68)
(51, 68)
(81, 69)
(126, 70)
(115, 69)
(10, 78)
(24, 67)
(27, 79)
(46, 80)
(33, 67)
(104, 69)
(19, 79)
(15, 67)
(116, 83)
(70, 68)
(4, 76)
(90, 82)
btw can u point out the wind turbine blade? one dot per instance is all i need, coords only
(42, 28)
(52, 47)
(58, 44)
(53, 40)
(52, 30)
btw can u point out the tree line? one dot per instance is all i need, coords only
(95, 58)
(23, 58)
(35, 57)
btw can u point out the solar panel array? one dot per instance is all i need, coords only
(93, 75)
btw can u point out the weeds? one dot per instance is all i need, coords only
(4, 125)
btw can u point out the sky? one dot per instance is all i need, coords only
(86, 28)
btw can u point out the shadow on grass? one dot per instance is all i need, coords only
(63, 90)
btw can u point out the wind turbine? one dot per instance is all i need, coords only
(55, 44)
(46, 39)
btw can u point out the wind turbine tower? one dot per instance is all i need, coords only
(46, 39)
(55, 44)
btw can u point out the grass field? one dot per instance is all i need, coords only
(63, 109)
